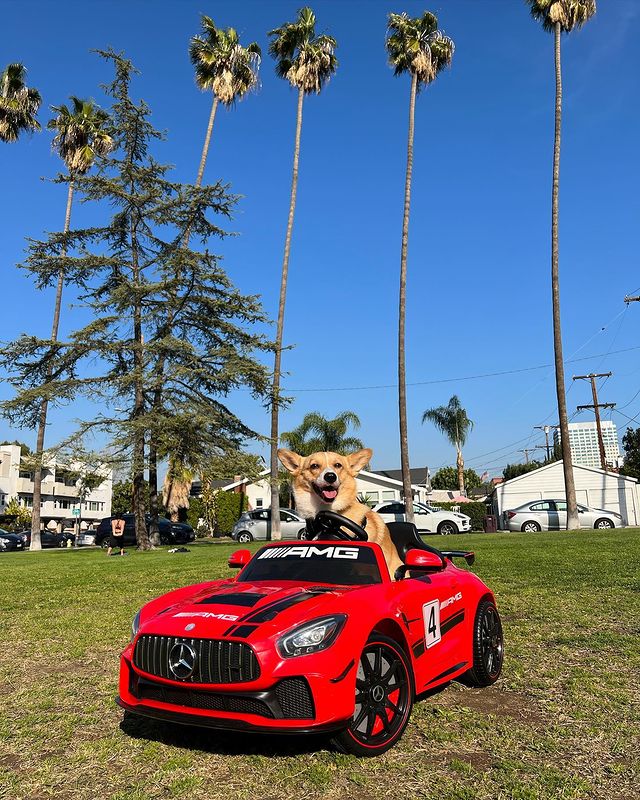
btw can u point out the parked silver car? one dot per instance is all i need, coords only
(551, 515)
(256, 524)
(427, 519)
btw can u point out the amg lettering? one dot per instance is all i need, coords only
(208, 615)
(450, 600)
(310, 551)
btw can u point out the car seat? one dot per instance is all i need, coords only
(405, 537)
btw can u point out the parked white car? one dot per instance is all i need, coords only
(551, 515)
(427, 519)
(256, 524)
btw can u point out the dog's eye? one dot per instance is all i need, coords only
(337, 466)
(315, 466)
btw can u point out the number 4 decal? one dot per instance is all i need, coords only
(431, 614)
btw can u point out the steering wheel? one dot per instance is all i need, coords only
(328, 524)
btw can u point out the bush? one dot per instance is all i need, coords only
(477, 512)
(228, 506)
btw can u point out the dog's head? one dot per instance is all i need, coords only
(328, 478)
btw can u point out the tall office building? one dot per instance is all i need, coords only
(583, 437)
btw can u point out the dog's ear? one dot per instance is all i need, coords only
(359, 460)
(290, 461)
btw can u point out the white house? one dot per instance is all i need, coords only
(594, 487)
(60, 489)
(375, 487)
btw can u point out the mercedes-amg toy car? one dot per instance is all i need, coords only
(314, 636)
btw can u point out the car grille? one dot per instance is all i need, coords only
(290, 699)
(216, 661)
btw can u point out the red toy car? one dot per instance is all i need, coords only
(314, 636)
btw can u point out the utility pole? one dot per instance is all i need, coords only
(628, 299)
(528, 450)
(596, 406)
(546, 429)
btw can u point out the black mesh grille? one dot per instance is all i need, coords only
(192, 698)
(295, 699)
(215, 662)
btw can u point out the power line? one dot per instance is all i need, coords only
(455, 380)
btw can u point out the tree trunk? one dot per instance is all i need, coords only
(460, 464)
(44, 405)
(567, 466)
(157, 399)
(207, 140)
(402, 375)
(275, 392)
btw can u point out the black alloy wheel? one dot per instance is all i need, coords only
(488, 646)
(383, 701)
(603, 524)
(447, 528)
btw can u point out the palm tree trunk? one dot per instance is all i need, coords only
(275, 391)
(207, 140)
(402, 374)
(460, 464)
(44, 405)
(567, 466)
(157, 399)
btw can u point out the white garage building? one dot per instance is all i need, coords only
(594, 487)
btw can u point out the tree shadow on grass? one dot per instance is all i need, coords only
(222, 742)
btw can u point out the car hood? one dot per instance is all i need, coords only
(13, 537)
(230, 609)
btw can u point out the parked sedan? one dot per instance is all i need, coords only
(551, 515)
(427, 519)
(10, 541)
(256, 524)
(170, 532)
(47, 539)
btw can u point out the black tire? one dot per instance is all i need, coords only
(165, 539)
(447, 528)
(488, 646)
(603, 524)
(530, 526)
(302, 535)
(384, 699)
(244, 537)
(104, 543)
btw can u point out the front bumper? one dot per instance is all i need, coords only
(284, 699)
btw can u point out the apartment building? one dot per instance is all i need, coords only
(583, 438)
(61, 489)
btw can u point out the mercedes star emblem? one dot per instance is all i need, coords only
(182, 660)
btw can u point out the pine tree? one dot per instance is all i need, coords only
(125, 271)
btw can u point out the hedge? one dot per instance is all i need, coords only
(228, 507)
(477, 512)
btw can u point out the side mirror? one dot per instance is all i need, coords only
(239, 559)
(423, 560)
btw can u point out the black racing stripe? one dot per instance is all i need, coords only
(444, 674)
(267, 614)
(241, 631)
(250, 614)
(418, 648)
(233, 599)
(451, 622)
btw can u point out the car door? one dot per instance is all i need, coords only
(560, 517)
(423, 518)
(544, 513)
(290, 525)
(392, 512)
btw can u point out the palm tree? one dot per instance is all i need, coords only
(82, 134)
(452, 420)
(327, 434)
(416, 46)
(307, 61)
(18, 104)
(558, 16)
(225, 68)
(177, 488)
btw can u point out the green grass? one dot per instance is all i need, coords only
(561, 724)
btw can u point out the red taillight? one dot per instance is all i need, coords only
(511, 514)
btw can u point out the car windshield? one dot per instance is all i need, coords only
(338, 564)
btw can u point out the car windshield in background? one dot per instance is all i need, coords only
(340, 564)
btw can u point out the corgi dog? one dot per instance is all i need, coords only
(326, 482)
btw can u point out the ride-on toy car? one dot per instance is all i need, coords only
(314, 637)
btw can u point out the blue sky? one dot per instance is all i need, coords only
(479, 251)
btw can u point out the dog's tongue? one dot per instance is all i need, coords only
(329, 494)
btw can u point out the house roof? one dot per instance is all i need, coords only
(545, 467)
(418, 475)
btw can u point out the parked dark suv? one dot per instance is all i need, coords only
(170, 532)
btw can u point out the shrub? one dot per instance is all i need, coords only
(228, 506)
(477, 512)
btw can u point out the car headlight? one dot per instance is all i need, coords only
(312, 636)
(135, 625)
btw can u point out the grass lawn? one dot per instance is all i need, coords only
(563, 721)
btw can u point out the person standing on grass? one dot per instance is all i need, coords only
(117, 535)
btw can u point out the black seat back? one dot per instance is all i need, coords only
(405, 537)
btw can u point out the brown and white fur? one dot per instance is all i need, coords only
(326, 482)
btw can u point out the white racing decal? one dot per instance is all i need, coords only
(309, 551)
(431, 615)
(453, 599)
(208, 615)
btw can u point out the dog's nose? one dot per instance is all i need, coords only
(330, 477)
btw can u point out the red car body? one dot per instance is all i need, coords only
(244, 679)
